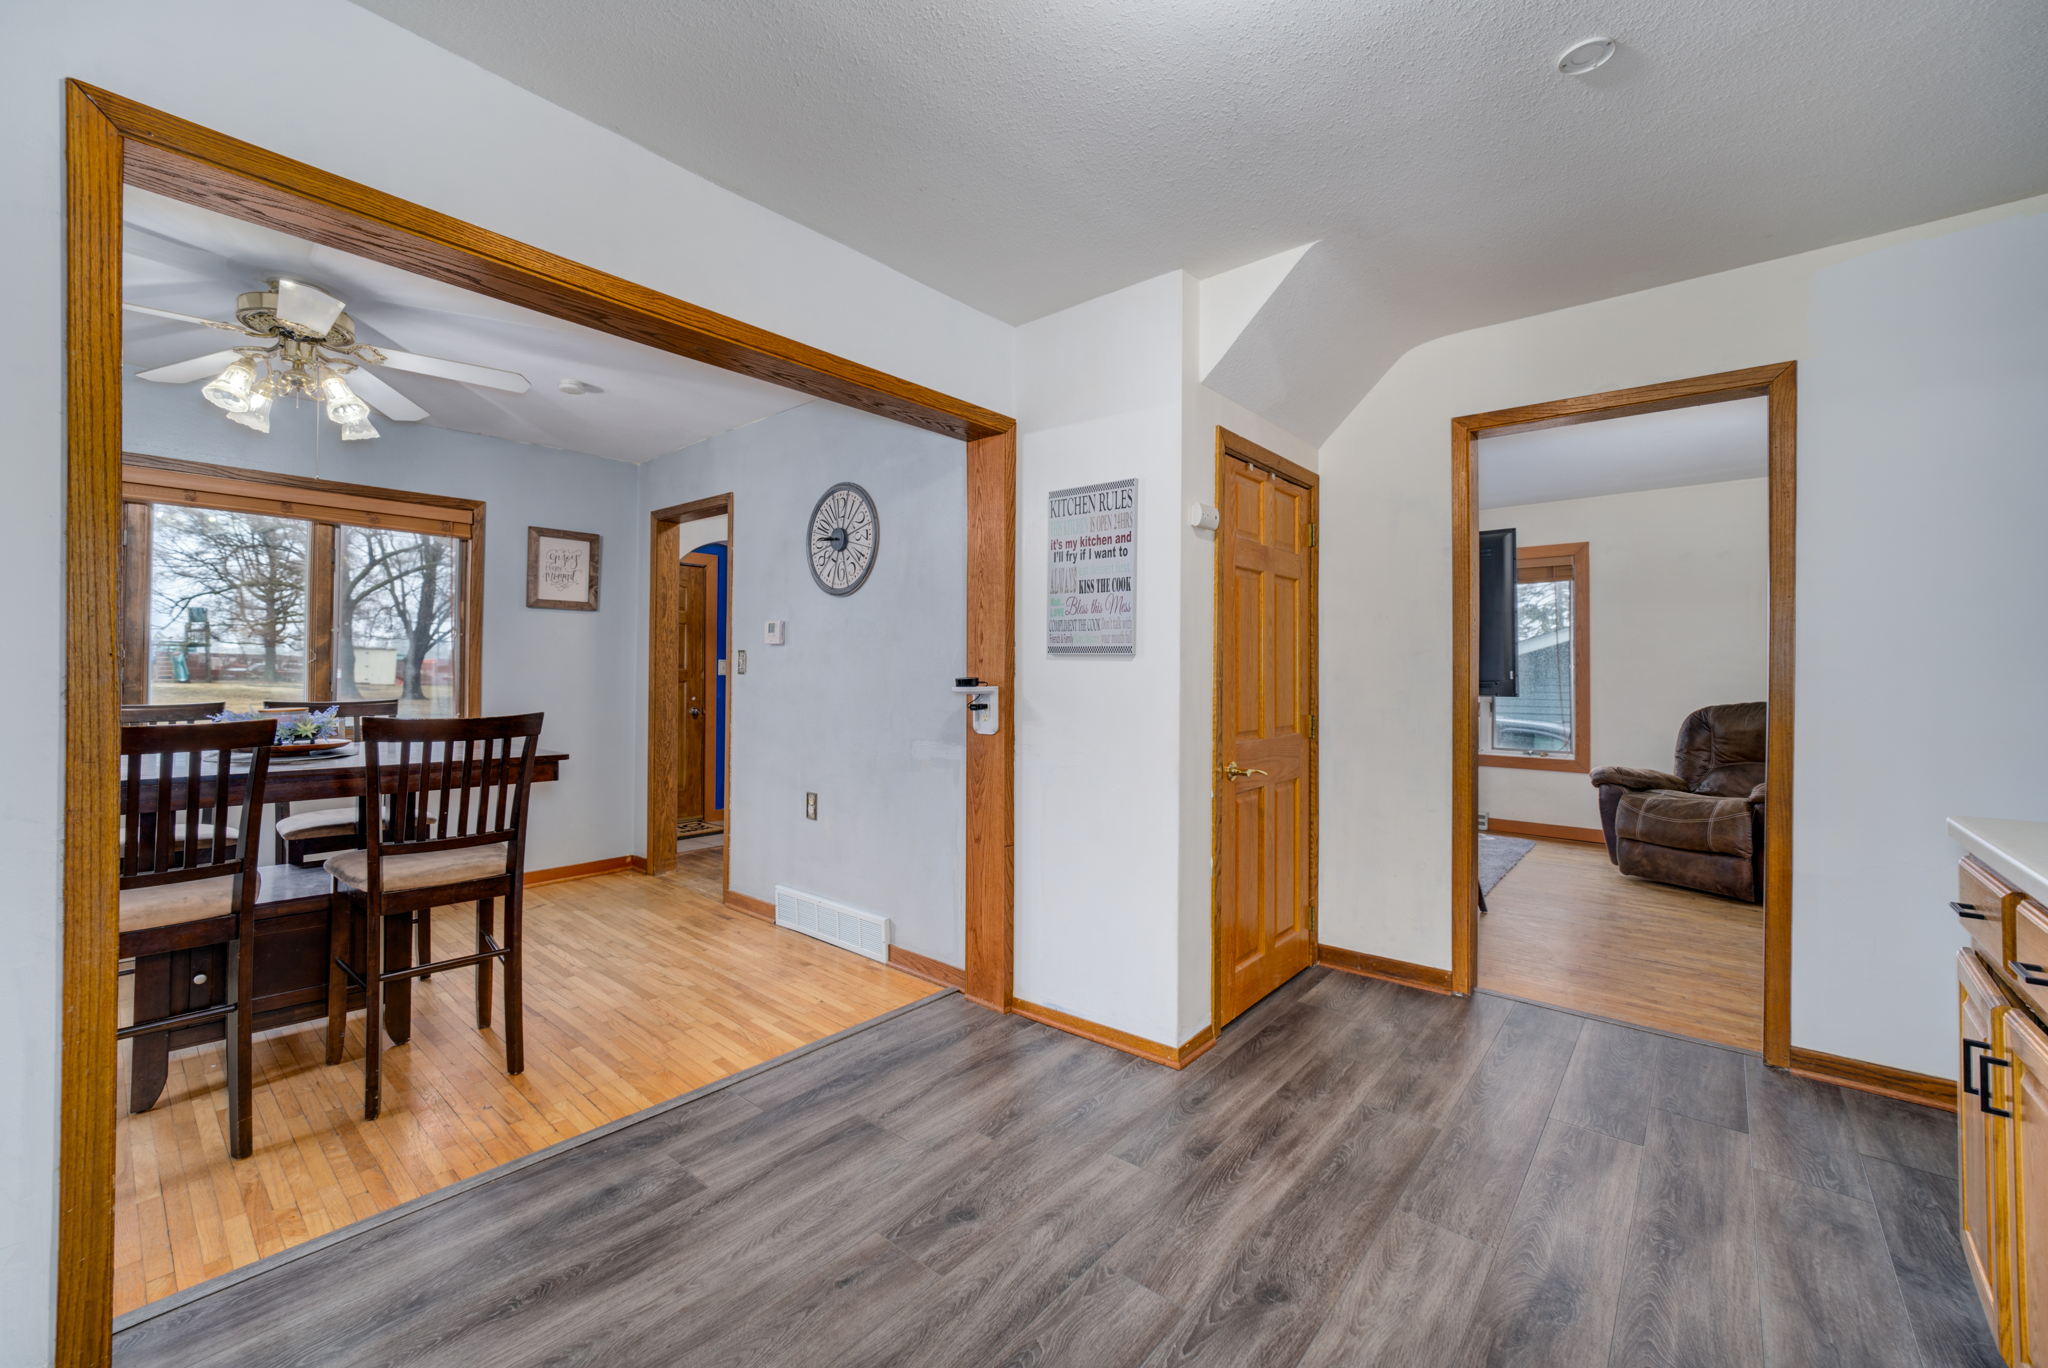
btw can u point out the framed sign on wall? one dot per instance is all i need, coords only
(561, 568)
(1092, 570)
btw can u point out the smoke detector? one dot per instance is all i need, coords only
(1585, 55)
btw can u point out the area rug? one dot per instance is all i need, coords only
(700, 829)
(1497, 855)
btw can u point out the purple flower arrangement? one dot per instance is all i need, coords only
(293, 728)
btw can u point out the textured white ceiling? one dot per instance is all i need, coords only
(647, 402)
(1702, 445)
(1026, 156)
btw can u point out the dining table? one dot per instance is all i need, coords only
(291, 948)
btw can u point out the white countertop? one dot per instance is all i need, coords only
(2016, 851)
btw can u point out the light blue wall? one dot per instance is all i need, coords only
(856, 706)
(576, 667)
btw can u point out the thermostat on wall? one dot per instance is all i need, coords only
(773, 633)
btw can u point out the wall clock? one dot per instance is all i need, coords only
(844, 534)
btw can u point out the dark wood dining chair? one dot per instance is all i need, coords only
(306, 838)
(150, 714)
(188, 878)
(452, 796)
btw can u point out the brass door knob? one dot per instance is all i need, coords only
(1231, 771)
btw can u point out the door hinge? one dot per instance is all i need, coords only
(1311, 535)
(1311, 726)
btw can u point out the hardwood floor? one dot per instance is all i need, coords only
(638, 990)
(1565, 927)
(1359, 1173)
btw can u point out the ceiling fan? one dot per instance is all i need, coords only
(307, 346)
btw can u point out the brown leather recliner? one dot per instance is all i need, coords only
(1702, 827)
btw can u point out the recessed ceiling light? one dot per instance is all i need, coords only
(1583, 56)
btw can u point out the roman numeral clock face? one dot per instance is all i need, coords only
(844, 534)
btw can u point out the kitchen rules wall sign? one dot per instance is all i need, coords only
(1091, 605)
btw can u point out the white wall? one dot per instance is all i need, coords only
(1923, 628)
(856, 706)
(585, 815)
(1113, 821)
(1679, 618)
(447, 134)
(1869, 482)
(1099, 893)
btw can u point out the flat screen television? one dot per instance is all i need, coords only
(1497, 613)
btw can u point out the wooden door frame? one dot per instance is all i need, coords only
(111, 142)
(1230, 446)
(1778, 384)
(664, 658)
(717, 570)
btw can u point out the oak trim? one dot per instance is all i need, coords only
(1423, 976)
(991, 760)
(1882, 1079)
(1578, 557)
(925, 967)
(1230, 445)
(112, 141)
(588, 869)
(1545, 831)
(176, 480)
(188, 162)
(1172, 1056)
(752, 906)
(85, 1176)
(1779, 384)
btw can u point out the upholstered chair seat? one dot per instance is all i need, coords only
(144, 909)
(431, 869)
(1702, 824)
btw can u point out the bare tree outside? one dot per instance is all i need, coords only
(396, 592)
(246, 570)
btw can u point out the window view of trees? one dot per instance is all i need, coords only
(230, 611)
(394, 618)
(229, 596)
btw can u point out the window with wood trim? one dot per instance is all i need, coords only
(247, 587)
(1547, 724)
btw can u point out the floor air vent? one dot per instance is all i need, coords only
(864, 933)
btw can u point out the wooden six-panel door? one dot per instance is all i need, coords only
(1265, 799)
(693, 684)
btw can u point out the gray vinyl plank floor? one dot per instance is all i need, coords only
(1357, 1174)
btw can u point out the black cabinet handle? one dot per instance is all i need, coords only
(2029, 974)
(1969, 911)
(1969, 1046)
(1984, 1063)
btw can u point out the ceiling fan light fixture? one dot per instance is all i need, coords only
(344, 406)
(359, 431)
(230, 390)
(256, 416)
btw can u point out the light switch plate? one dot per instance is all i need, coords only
(739, 662)
(811, 806)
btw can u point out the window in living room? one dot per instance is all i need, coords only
(1546, 717)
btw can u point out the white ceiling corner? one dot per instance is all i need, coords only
(1229, 300)
(1704, 444)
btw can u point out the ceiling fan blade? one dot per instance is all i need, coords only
(193, 319)
(310, 310)
(510, 381)
(380, 396)
(181, 372)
